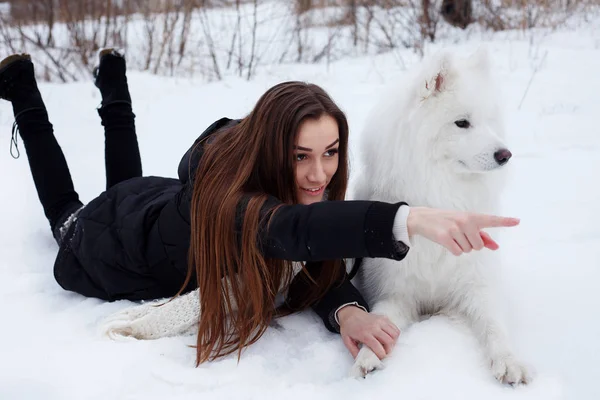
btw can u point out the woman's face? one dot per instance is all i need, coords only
(316, 158)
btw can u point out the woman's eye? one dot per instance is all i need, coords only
(331, 153)
(462, 123)
(300, 157)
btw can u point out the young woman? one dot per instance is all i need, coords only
(258, 210)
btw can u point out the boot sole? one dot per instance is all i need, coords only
(12, 59)
(108, 51)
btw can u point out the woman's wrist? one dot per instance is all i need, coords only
(347, 312)
(412, 221)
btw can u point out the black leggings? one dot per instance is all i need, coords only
(49, 168)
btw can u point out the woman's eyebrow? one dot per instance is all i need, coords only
(307, 149)
(302, 148)
(332, 144)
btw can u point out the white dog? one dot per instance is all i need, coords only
(437, 142)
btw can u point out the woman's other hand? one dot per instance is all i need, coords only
(376, 332)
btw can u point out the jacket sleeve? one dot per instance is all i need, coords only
(327, 230)
(336, 297)
(341, 293)
(330, 230)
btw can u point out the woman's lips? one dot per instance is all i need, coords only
(314, 191)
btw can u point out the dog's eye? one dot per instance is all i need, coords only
(462, 123)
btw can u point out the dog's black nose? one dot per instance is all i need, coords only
(502, 156)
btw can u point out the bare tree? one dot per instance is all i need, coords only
(236, 33)
(170, 15)
(300, 38)
(204, 22)
(427, 20)
(253, 45)
(185, 29)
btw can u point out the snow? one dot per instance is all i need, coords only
(49, 344)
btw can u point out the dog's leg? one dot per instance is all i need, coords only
(366, 360)
(491, 335)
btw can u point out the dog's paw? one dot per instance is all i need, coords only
(366, 362)
(508, 370)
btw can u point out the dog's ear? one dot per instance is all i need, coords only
(438, 79)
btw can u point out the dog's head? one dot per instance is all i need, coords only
(459, 114)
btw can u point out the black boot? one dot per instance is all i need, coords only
(110, 78)
(18, 84)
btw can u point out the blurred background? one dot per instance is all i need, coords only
(217, 38)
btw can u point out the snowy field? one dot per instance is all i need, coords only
(49, 345)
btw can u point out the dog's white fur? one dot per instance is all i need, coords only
(413, 151)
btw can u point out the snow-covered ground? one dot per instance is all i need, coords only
(49, 346)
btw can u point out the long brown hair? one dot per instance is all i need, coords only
(244, 165)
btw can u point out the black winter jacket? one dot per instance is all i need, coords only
(131, 242)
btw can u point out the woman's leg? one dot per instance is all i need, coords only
(46, 160)
(122, 154)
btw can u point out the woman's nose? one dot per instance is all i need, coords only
(317, 173)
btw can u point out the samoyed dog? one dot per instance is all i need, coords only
(437, 142)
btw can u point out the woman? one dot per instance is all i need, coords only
(247, 209)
